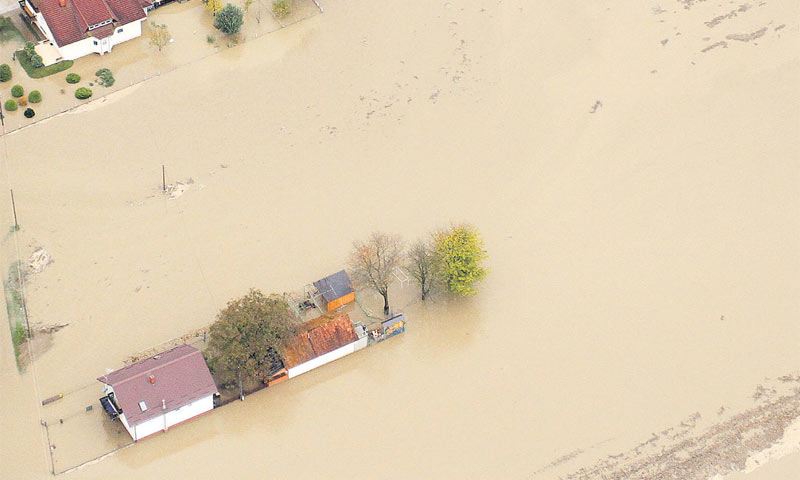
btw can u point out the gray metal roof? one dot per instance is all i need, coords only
(334, 286)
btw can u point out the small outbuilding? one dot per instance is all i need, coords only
(321, 341)
(157, 393)
(336, 290)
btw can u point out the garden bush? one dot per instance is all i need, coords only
(22, 101)
(35, 96)
(36, 61)
(73, 78)
(5, 73)
(281, 8)
(105, 76)
(29, 49)
(11, 105)
(83, 93)
(17, 91)
(29, 113)
(229, 20)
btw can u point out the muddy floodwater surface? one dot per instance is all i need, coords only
(636, 190)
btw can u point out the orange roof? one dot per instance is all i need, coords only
(318, 337)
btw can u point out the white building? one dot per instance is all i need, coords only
(157, 393)
(80, 27)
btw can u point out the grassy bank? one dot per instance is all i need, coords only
(15, 305)
(8, 31)
(41, 72)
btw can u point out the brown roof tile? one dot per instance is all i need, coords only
(318, 337)
(71, 23)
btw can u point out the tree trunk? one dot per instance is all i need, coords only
(386, 303)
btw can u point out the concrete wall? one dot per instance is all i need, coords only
(328, 357)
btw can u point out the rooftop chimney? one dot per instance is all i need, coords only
(152, 379)
(163, 404)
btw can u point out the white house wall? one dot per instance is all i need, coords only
(328, 357)
(86, 46)
(186, 412)
(174, 417)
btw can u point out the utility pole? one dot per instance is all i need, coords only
(163, 179)
(14, 209)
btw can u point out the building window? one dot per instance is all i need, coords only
(119, 30)
(95, 42)
(98, 25)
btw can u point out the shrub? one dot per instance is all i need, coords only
(210, 39)
(105, 76)
(22, 101)
(229, 20)
(29, 113)
(17, 91)
(281, 8)
(83, 93)
(5, 73)
(36, 61)
(11, 104)
(35, 96)
(29, 49)
(73, 78)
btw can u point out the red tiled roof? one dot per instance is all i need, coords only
(71, 23)
(315, 339)
(181, 377)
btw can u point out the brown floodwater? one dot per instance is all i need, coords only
(643, 258)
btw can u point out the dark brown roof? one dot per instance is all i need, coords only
(71, 23)
(334, 286)
(318, 337)
(181, 377)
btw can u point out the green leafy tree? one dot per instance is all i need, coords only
(423, 266)
(37, 61)
(5, 73)
(35, 96)
(229, 20)
(73, 78)
(459, 253)
(247, 337)
(11, 104)
(105, 77)
(17, 91)
(372, 263)
(29, 49)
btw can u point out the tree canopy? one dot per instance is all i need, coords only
(229, 20)
(459, 253)
(372, 263)
(248, 336)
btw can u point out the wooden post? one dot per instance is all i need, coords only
(14, 208)
(163, 179)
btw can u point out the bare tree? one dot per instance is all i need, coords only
(159, 35)
(372, 263)
(422, 264)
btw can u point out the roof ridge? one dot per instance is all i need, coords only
(181, 357)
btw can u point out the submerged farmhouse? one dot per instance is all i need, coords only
(159, 392)
(80, 27)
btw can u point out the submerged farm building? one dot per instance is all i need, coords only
(321, 341)
(336, 290)
(159, 392)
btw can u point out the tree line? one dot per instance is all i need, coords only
(246, 341)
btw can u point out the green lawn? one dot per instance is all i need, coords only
(31, 28)
(8, 31)
(43, 71)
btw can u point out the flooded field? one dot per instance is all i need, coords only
(636, 189)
